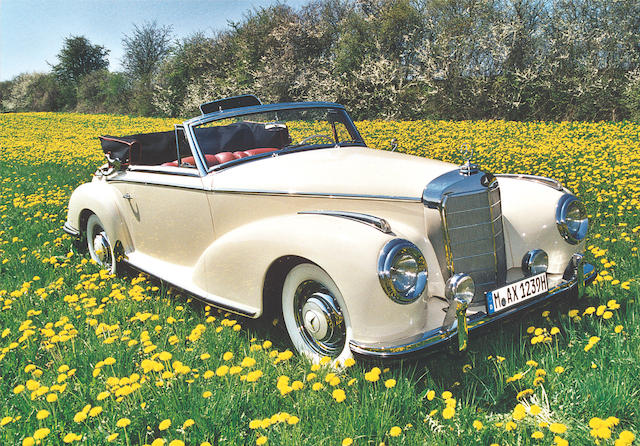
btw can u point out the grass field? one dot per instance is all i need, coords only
(89, 358)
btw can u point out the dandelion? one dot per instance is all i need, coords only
(42, 414)
(448, 412)
(390, 383)
(557, 428)
(164, 425)
(348, 441)
(123, 422)
(338, 395)
(112, 437)
(261, 440)
(395, 431)
(537, 435)
(188, 423)
(477, 425)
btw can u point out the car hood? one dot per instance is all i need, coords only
(340, 170)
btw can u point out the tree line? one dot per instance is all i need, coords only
(389, 59)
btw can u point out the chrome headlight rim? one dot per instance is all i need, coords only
(566, 202)
(390, 252)
(535, 262)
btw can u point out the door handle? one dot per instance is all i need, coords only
(127, 196)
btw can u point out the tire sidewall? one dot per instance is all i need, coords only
(296, 276)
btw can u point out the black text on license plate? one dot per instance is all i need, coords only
(507, 296)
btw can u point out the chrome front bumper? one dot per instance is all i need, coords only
(73, 232)
(585, 273)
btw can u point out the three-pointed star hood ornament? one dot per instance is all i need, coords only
(468, 168)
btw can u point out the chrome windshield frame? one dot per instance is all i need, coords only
(192, 123)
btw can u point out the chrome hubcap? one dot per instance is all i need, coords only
(101, 248)
(319, 318)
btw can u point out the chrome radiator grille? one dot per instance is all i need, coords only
(474, 239)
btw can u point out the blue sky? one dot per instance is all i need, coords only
(32, 31)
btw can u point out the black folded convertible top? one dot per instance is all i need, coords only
(160, 147)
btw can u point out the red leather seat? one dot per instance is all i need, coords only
(222, 157)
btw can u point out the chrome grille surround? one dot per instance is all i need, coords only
(471, 218)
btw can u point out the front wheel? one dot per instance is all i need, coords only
(98, 244)
(315, 314)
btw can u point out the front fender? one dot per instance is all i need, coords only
(99, 198)
(347, 250)
(529, 219)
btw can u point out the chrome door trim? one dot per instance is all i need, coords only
(317, 195)
(166, 170)
(156, 183)
(378, 223)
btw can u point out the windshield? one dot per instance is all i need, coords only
(237, 137)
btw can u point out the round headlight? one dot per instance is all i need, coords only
(460, 287)
(402, 271)
(571, 218)
(535, 262)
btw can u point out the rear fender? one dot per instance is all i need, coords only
(99, 198)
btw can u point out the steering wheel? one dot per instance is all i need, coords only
(319, 135)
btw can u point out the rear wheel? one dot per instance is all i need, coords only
(98, 244)
(315, 314)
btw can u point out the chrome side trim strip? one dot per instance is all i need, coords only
(208, 298)
(551, 182)
(156, 183)
(317, 195)
(73, 232)
(166, 170)
(380, 224)
(437, 337)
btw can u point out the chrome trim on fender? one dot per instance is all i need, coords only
(73, 232)
(551, 182)
(380, 224)
(316, 194)
(437, 337)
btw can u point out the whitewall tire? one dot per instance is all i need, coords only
(99, 245)
(315, 314)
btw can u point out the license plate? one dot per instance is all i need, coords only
(513, 294)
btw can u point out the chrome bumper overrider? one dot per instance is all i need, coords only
(73, 232)
(433, 339)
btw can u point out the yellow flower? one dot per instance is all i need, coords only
(222, 370)
(112, 437)
(348, 441)
(431, 395)
(165, 356)
(28, 441)
(618, 328)
(293, 420)
(95, 411)
(559, 369)
(158, 442)
(477, 424)
(448, 412)
(390, 383)
(41, 433)
(537, 435)
(176, 443)
(206, 394)
(255, 424)
(560, 441)
(558, 428)
(71, 437)
(395, 431)
(338, 395)
(5, 421)
(123, 422)
(18, 389)
(227, 356)
(188, 423)
(42, 414)
(261, 440)
(349, 362)
(164, 425)
(535, 409)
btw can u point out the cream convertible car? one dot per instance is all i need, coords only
(260, 208)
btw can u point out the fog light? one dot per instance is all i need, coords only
(535, 262)
(460, 287)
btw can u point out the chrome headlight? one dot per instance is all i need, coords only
(535, 262)
(402, 271)
(571, 218)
